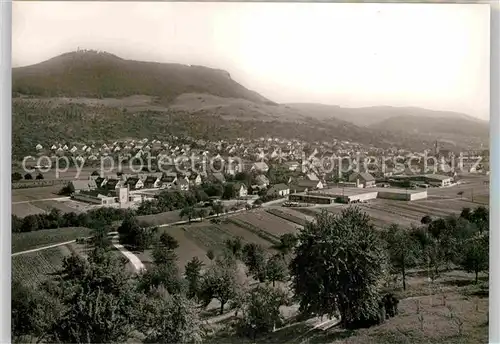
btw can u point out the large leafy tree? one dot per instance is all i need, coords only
(254, 257)
(188, 212)
(276, 269)
(261, 309)
(34, 313)
(475, 254)
(100, 303)
(136, 234)
(219, 283)
(170, 319)
(402, 248)
(338, 267)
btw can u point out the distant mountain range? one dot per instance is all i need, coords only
(112, 92)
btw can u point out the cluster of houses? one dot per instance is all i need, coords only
(288, 152)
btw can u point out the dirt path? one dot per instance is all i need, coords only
(132, 258)
(43, 200)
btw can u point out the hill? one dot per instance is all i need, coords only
(47, 121)
(95, 74)
(368, 116)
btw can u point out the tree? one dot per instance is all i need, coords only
(229, 191)
(99, 304)
(165, 273)
(34, 313)
(163, 255)
(192, 272)
(475, 254)
(426, 220)
(261, 310)
(338, 266)
(254, 257)
(460, 193)
(135, 234)
(28, 176)
(170, 319)
(402, 249)
(288, 241)
(480, 217)
(210, 254)
(276, 269)
(235, 246)
(201, 213)
(219, 283)
(168, 241)
(39, 176)
(16, 176)
(100, 238)
(466, 214)
(188, 212)
(217, 208)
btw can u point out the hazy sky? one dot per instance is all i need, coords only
(433, 56)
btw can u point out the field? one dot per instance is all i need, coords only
(46, 237)
(267, 222)
(33, 194)
(25, 209)
(36, 267)
(60, 205)
(161, 218)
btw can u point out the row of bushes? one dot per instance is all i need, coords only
(56, 219)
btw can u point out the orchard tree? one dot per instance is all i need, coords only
(475, 254)
(192, 273)
(188, 212)
(254, 257)
(276, 269)
(261, 310)
(217, 208)
(170, 319)
(135, 234)
(219, 283)
(168, 241)
(16, 176)
(235, 246)
(288, 241)
(402, 248)
(338, 267)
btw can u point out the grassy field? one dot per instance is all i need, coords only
(161, 218)
(267, 222)
(46, 237)
(49, 205)
(32, 194)
(25, 209)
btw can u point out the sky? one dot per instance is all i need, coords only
(353, 55)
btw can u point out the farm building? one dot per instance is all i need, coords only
(349, 195)
(93, 197)
(279, 190)
(83, 185)
(438, 180)
(306, 185)
(362, 179)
